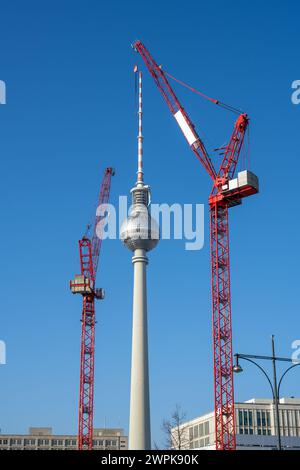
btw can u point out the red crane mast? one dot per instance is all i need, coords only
(226, 192)
(84, 284)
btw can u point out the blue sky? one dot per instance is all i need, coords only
(69, 114)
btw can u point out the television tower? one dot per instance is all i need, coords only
(140, 234)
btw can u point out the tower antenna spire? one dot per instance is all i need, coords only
(140, 178)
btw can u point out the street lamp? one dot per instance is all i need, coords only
(237, 368)
(275, 388)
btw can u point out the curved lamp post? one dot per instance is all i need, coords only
(275, 388)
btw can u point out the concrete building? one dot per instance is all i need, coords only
(255, 426)
(44, 439)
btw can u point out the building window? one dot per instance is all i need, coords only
(108, 443)
(241, 431)
(251, 431)
(269, 432)
(250, 418)
(259, 432)
(201, 430)
(206, 427)
(246, 431)
(263, 418)
(258, 418)
(268, 418)
(245, 418)
(17, 442)
(74, 442)
(195, 432)
(264, 432)
(191, 433)
(54, 442)
(240, 418)
(206, 441)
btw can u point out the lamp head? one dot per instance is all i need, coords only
(237, 369)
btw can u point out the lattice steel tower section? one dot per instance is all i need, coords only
(84, 284)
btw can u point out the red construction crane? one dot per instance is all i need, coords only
(84, 284)
(226, 192)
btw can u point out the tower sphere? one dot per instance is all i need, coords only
(139, 230)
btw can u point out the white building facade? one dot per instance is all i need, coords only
(255, 426)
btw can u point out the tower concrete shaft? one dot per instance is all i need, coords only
(139, 425)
